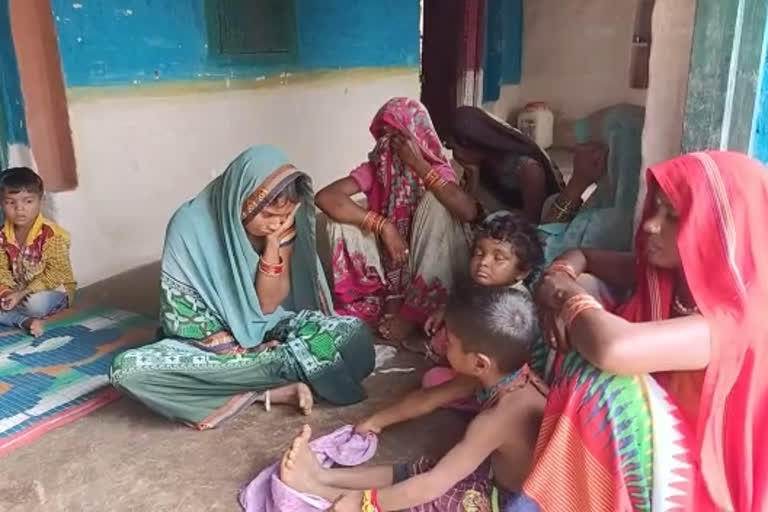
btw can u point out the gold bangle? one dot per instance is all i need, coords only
(373, 223)
(369, 221)
(433, 181)
(577, 305)
(379, 228)
(430, 178)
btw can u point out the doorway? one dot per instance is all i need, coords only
(453, 49)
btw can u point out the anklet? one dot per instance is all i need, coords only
(267, 401)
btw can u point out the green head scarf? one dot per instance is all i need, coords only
(208, 251)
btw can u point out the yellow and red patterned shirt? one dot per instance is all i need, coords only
(42, 263)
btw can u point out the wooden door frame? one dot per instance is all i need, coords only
(469, 89)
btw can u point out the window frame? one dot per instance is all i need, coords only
(218, 54)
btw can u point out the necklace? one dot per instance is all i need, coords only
(683, 309)
(487, 394)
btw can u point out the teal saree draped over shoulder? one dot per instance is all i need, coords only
(210, 366)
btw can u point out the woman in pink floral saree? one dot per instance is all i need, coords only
(395, 259)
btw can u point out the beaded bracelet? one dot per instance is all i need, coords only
(577, 305)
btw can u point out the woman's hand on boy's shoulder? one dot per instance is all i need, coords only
(554, 289)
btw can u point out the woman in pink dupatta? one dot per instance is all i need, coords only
(664, 404)
(395, 259)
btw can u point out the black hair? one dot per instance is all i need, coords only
(292, 191)
(17, 179)
(499, 322)
(514, 229)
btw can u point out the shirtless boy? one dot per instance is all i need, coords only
(490, 332)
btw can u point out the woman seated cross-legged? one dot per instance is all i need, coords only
(245, 306)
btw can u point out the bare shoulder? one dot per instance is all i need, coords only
(521, 406)
(512, 425)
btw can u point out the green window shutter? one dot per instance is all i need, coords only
(253, 27)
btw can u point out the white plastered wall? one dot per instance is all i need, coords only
(140, 156)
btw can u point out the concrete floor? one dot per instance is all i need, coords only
(124, 458)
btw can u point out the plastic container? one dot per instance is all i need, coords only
(537, 121)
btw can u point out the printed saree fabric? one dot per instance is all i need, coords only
(675, 440)
(363, 276)
(211, 363)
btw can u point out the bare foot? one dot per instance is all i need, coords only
(297, 394)
(395, 328)
(35, 326)
(300, 470)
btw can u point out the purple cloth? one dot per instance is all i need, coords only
(267, 493)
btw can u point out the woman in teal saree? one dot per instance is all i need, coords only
(245, 307)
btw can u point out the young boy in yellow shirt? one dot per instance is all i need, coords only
(36, 277)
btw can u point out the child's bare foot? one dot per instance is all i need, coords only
(297, 394)
(34, 326)
(300, 470)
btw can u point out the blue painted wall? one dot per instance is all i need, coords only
(759, 142)
(114, 42)
(13, 127)
(503, 46)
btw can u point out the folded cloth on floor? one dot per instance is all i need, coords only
(267, 493)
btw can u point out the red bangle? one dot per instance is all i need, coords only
(375, 500)
(271, 270)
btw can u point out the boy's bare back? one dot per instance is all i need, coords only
(514, 422)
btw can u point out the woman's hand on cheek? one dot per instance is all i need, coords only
(410, 153)
(277, 235)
